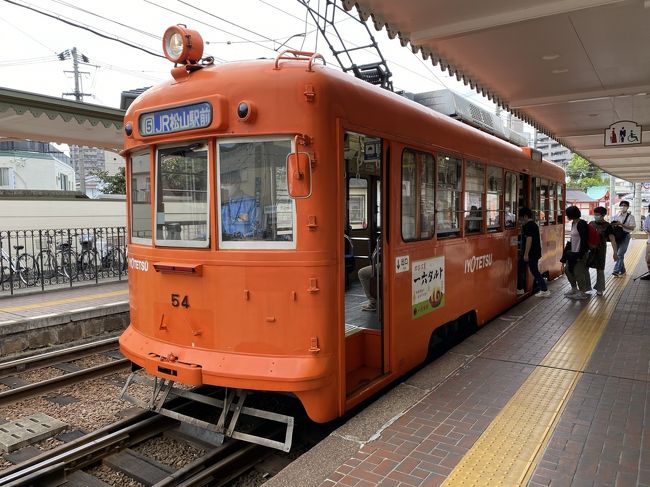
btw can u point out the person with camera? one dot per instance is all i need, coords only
(623, 223)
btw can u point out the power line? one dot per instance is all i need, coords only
(135, 29)
(85, 27)
(205, 23)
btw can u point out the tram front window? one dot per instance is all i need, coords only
(255, 208)
(182, 196)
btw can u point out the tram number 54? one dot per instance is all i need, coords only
(177, 301)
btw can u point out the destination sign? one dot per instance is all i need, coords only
(177, 119)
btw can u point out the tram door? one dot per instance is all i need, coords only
(364, 303)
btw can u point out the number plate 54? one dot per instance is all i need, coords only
(183, 301)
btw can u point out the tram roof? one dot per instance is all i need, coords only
(25, 115)
(570, 68)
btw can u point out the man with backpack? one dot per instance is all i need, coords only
(576, 254)
(598, 252)
(623, 223)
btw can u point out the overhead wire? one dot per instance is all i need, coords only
(206, 24)
(85, 27)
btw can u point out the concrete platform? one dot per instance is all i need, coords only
(553, 393)
(33, 322)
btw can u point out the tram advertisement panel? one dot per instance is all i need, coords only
(427, 286)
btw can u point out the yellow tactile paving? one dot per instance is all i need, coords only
(508, 451)
(76, 299)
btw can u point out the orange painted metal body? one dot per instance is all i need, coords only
(273, 320)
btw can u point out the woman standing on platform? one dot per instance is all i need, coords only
(576, 254)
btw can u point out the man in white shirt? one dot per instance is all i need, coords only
(623, 223)
(646, 228)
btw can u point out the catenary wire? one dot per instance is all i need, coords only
(85, 27)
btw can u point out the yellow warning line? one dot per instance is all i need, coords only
(77, 299)
(507, 453)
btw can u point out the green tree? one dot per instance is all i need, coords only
(112, 184)
(582, 174)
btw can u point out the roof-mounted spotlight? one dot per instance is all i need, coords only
(182, 45)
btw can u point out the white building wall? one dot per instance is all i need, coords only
(113, 162)
(20, 214)
(34, 172)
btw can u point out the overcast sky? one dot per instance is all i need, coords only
(237, 30)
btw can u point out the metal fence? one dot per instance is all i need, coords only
(33, 259)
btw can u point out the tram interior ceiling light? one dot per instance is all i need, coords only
(182, 45)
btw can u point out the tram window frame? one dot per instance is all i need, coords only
(536, 187)
(511, 197)
(417, 195)
(474, 194)
(560, 203)
(543, 201)
(167, 228)
(551, 203)
(450, 167)
(144, 159)
(278, 185)
(360, 194)
(494, 188)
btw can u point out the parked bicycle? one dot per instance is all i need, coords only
(60, 262)
(24, 266)
(98, 254)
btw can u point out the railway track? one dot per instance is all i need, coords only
(218, 465)
(15, 367)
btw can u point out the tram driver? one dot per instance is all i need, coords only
(239, 211)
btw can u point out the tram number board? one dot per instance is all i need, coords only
(177, 119)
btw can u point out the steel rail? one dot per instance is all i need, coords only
(66, 453)
(30, 390)
(44, 359)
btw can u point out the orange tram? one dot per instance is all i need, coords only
(257, 190)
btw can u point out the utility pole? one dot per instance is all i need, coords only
(78, 95)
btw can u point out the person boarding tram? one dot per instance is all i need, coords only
(530, 253)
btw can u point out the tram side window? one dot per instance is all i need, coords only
(474, 189)
(448, 196)
(255, 209)
(494, 200)
(140, 199)
(182, 196)
(543, 197)
(551, 203)
(560, 203)
(358, 203)
(510, 212)
(418, 195)
(537, 191)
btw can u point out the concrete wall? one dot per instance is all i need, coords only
(34, 214)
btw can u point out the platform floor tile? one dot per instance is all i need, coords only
(423, 447)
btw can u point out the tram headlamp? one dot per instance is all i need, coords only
(182, 45)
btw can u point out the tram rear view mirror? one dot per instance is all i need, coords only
(299, 175)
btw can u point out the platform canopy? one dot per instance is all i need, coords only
(26, 115)
(570, 68)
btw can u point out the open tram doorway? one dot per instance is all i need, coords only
(364, 261)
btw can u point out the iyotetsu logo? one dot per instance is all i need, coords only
(477, 262)
(138, 265)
